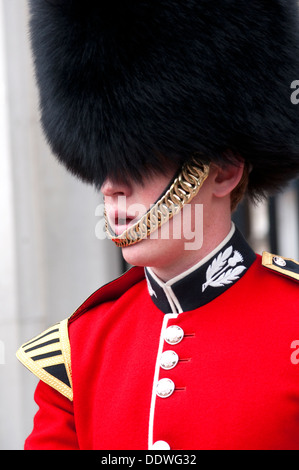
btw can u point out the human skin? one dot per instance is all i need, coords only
(168, 256)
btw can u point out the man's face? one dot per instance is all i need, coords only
(126, 202)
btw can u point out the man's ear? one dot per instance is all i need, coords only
(227, 178)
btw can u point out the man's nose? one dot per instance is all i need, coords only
(115, 188)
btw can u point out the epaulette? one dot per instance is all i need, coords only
(48, 356)
(286, 266)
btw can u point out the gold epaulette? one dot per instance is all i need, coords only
(286, 266)
(48, 356)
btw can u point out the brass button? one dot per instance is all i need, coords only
(279, 261)
(174, 334)
(165, 388)
(160, 445)
(169, 360)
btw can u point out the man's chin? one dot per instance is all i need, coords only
(149, 252)
(141, 253)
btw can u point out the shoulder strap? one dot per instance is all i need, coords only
(285, 266)
(48, 356)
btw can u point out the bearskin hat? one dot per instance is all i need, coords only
(128, 84)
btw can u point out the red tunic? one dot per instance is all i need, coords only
(236, 383)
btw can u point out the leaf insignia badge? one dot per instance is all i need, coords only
(223, 269)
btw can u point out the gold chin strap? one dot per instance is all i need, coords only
(183, 189)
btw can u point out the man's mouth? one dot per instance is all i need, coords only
(120, 222)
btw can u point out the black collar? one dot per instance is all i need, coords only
(206, 280)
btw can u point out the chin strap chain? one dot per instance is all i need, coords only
(183, 189)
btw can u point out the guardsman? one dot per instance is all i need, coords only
(174, 110)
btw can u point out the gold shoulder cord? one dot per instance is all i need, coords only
(183, 189)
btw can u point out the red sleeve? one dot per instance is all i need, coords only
(54, 424)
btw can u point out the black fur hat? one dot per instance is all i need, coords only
(124, 82)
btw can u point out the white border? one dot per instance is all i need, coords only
(156, 377)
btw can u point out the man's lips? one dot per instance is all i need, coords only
(120, 221)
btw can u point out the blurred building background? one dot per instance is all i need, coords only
(50, 257)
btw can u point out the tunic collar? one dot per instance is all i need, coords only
(206, 280)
